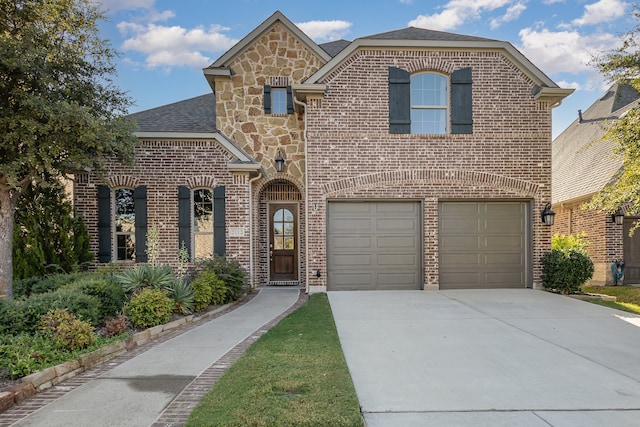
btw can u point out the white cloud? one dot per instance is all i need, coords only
(602, 11)
(457, 12)
(513, 13)
(115, 5)
(325, 30)
(569, 85)
(563, 51)
(169, 46)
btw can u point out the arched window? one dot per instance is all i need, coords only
(202, 223)
(429, 103)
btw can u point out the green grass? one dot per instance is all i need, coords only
(294, 375)
(627, 297)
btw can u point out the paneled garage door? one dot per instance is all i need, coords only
(484, 245)
(374, 245)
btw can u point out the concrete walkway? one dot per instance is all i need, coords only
(136, 392)
(489, 358)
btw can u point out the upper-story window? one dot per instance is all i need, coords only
(429, 103)
(278, 97)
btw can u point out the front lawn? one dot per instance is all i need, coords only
(627, 297)
(294, 375)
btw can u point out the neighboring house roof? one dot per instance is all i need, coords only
(191, 115)
(582, 163)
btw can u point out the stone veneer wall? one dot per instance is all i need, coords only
(353, 155)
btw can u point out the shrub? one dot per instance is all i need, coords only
(183, 297)
(111, 297)
(149, 307)
(566, 271)
(145, 276)
(75, 301)
(66, 331)
(202, 292)
(12, 319)
(116, 325)
(231, 273)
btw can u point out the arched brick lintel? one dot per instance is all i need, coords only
(522, 188)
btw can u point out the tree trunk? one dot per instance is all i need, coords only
(8, 200)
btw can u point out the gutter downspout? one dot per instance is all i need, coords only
(251, 273)
(306, 196)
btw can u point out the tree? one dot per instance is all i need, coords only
(622, 65)
(59, 244)
(59, 108)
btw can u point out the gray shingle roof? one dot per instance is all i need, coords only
(414, 33)
(191, 115)
(335, 47)
(583, 164)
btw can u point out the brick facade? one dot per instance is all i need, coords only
(337, 145)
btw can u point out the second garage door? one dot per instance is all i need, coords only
(484, 245)
(374, 245)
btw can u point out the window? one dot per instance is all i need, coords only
(125, 224)
(278, 100)
(429, 103)
(203, 223)
(283, 230)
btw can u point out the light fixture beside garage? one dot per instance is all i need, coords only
(618, 217)
(548, 215)
(279, 161)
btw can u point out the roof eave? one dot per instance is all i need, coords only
(553, 95)
(211, 74)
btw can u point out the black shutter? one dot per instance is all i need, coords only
(461, 101)
(184, 218)
(289, 100)
(219, 239)
(399, 101)
(104, 223)
(267, 99)
(140, 207)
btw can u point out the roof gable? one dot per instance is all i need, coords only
(582, 163)
(414, 33)
(250, 38)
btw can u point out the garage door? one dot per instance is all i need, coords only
(374, 245)
(483, 245)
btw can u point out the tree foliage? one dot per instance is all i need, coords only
(59, 108)
(47, 238)
(622, 65)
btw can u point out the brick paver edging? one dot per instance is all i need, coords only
(177, 412)
(32, 404)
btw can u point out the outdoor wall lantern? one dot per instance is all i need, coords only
(279, 161)
(618, 217)
(548, 215)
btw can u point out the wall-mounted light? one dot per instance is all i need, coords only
(547, 215)
(279, 161)
(318, 274)
(618, 217)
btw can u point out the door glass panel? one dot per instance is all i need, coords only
(283, 230)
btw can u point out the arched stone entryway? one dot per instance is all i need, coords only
(281, 236)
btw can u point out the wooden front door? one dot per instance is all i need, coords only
(631, 245)
(283, 242)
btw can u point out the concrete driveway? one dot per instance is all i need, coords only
(504, 357)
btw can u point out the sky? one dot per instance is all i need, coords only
(165, 44)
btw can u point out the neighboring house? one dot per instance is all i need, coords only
(584, 164)
(412, 159)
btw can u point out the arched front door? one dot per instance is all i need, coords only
(283, 242)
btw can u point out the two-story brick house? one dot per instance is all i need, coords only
(412, 159)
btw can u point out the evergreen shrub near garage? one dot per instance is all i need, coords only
(567, 266)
